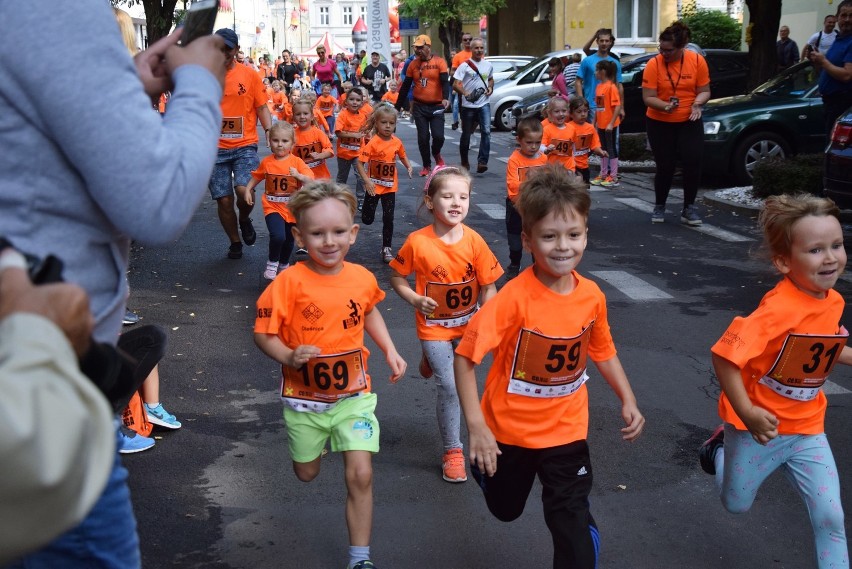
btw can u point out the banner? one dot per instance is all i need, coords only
(378, 30)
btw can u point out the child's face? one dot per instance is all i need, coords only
(302, 116)
(393, 87)
(557, 242)
(386, 125)
(326, 90)
(451, 203)
(276, 87)
(326, 231)
(354, 101)
(580, 115)
(281, 143)
(558, 113)
(295, 95)
(817, 256)
(529, 144)
(600, 74)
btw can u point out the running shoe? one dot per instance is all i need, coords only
(271, 271)
(424, 172)
(452, 466)
(387, 255)
(707, 451)
(235, 251)
(282, 266)
(130, 318)
(512, 271)
(481, 168)
(425, 368)
(159, 416)
(690, 216)
(248, 232)
(659, 215)
(596, 181)
(366, 564)
(609, 182)
(132, 442)
(439, 161)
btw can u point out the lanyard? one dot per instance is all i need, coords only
(679, 75)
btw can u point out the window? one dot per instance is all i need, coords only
(323, 16)
(363, 10)
(635, 19)
(347, 16)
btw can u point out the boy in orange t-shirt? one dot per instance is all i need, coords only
(311, 320)
(327, 106)
(586, 139)
(607, 119)
(392, 93)
(349, 130)
(543, 327)
(380, 179)
(523, 160)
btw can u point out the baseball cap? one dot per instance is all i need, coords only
(422, 40)
(230, 37)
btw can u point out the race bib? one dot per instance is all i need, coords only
(544, 366)
(232, 127)
(584, 146)
(324, 381)
(457, 302)
(382, 173)
(524, 171)
(562, 147)
(350, 143)
(279, 187)
(304, 152)
(804, 364)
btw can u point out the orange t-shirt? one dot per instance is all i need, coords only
(311, 140)
(677, 79)
(754, 343)
(426, 79)
(347, 121)
(563, 140)
(341, 100)
(586, 139)
(461, 57)
(535, 394)
(366, 108)
(279, 184)
(390, 97)
(451, 274)
(320, 119)
(518, 168)
(244, 93)
(326, 103)
(279, 103)
(545, 122)
(606, 99)
(380, 157)
(302, 307)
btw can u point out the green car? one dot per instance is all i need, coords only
(781, 117)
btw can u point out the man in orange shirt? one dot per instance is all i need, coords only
(243, 101)
(459, 58)
(429, 77)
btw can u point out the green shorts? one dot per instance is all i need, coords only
(351, 425)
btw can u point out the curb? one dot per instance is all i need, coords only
(729, 205)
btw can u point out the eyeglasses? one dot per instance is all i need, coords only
(467, 39)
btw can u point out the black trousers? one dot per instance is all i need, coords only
(673, 142)
(368, 214)
(565, 473)
(429, 119)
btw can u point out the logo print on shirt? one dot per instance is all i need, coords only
(469, 273)
(312, 313)
(241, 90)
(440, 273)
(354, 316)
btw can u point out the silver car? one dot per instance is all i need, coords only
(506, 65)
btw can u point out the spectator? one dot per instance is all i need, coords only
(835, 80)
(788, 51)
(325, 70)
(287, 71)
(399, 63)
(459, 57)
(586, 82)
(822, 40)
(147, 190)
(570, 73)
(555, 69)
(474, 82)
(375, 77)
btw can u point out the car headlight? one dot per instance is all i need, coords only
(712, 127)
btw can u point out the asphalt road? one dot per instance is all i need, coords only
(220, 492)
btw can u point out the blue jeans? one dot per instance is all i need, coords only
(469, 118)
(280, 238)
(454, 104)
(106, 539)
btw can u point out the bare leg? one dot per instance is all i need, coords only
(307, 471)
(359, 498)
(151, 386)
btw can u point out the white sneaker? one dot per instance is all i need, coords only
(387, 256)
(271, 271)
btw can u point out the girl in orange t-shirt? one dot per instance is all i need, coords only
(282, 174)
(278, 100)
(327, 106)
(312, 145)
(586, 139)
(558, 137)
(380, 179)
(349, 131)
(454, 272)
(607, 119)
(392, 93)
(771, 366)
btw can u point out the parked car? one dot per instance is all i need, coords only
(837, 173)
(506, 65)
(533, 79)
(781, 117)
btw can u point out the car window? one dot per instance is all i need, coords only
(501, 65)
(793, 82)
(531, 76)
(724, 64)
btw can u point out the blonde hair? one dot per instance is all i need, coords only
(303, 102)
(382, 109)
(128, 32)
(780, 213)
(313, 193)
(282, 127)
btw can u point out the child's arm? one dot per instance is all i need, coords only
(614, 375)
(350, 134)
(407, 165)
(299, 176)
(273, 347)
(600, 152)
(482, 445)
(368, 184)
(845, 356)
(616, 114)
(402, 287)
(762, 424)
(321, 155)
(374, 324)
(486, 293)
(248, 194)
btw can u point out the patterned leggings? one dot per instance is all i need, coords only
(440, 355)
(808, 463)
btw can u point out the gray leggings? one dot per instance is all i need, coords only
(440, 355)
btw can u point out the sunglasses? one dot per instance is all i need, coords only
(467, 39)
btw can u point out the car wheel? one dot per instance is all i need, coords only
(754, 148)
(503, 117)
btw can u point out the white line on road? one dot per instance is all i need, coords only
(493, 210)
(504, 160)
(706, 228)
(831, 388)
(632, 286)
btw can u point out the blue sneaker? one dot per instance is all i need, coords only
(159, 416)
(364, 565)
(132, 442)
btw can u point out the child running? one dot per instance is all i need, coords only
(312, 320)
(380, 179)
(327, 106)
(527, 156)
(312, 145)
(281, 174)
(454, 273)
(586, 139)
(607, 119)
(771, 365)
(392, 93)
(558, 136)
(542, 328)
(349, 129)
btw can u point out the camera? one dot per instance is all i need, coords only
(108, 367)
(474, 95)
(674, 102)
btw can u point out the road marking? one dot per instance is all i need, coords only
(504, 160)
(632, 286)
(493, 210)
(706, 228)
(831, 388)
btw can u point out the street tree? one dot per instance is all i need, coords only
(159, 15)
(761, 33)
(449, 15)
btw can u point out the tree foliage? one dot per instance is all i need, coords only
(712, 28)
(448, 15)
(159, 15)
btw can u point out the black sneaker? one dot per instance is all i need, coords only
(707, 451)
(235, 251)
(248, 232)
(512, 271)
